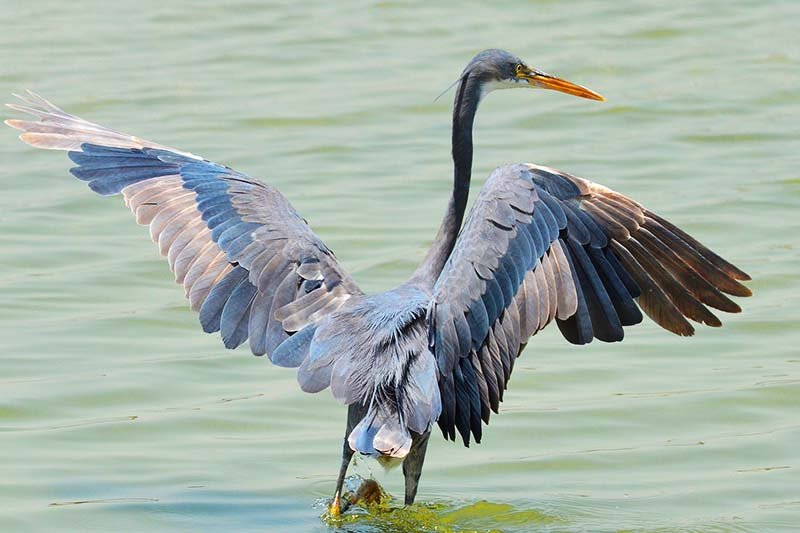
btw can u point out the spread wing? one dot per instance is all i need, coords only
(250, 265)
(539, 245)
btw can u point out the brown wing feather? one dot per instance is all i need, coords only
(685, 271)
(601, 250)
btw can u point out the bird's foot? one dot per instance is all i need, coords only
(335, 508)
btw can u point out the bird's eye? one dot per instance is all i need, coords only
(518, 69)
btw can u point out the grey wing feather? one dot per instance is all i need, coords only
(540, 245)
(236, 245)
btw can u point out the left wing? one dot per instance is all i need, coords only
(539, 245)
(250, 265)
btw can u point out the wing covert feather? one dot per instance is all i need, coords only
(238, 247)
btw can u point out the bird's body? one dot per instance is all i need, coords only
(538, 246)
(382, 361)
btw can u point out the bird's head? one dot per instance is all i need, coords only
(498, 69)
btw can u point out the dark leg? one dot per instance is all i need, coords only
(354, 415)
(347, 454)
(412, 466)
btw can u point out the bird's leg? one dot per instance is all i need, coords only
(347, 454)
(412, 465)
(355, 413)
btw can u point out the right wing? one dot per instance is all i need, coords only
(250, 265)
(539, 245)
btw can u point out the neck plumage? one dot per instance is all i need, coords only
(466, 104)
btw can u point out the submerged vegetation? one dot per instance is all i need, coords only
(371, 508)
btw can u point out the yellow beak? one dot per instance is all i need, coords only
(546, 81)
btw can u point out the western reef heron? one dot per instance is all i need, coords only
(539, 245)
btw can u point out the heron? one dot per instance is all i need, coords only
(538, 246)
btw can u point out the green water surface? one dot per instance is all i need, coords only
(118, 414)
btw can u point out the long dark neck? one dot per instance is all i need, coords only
(466, 104)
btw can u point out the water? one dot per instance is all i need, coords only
(113, 397)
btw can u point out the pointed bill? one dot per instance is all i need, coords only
(543, 80)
